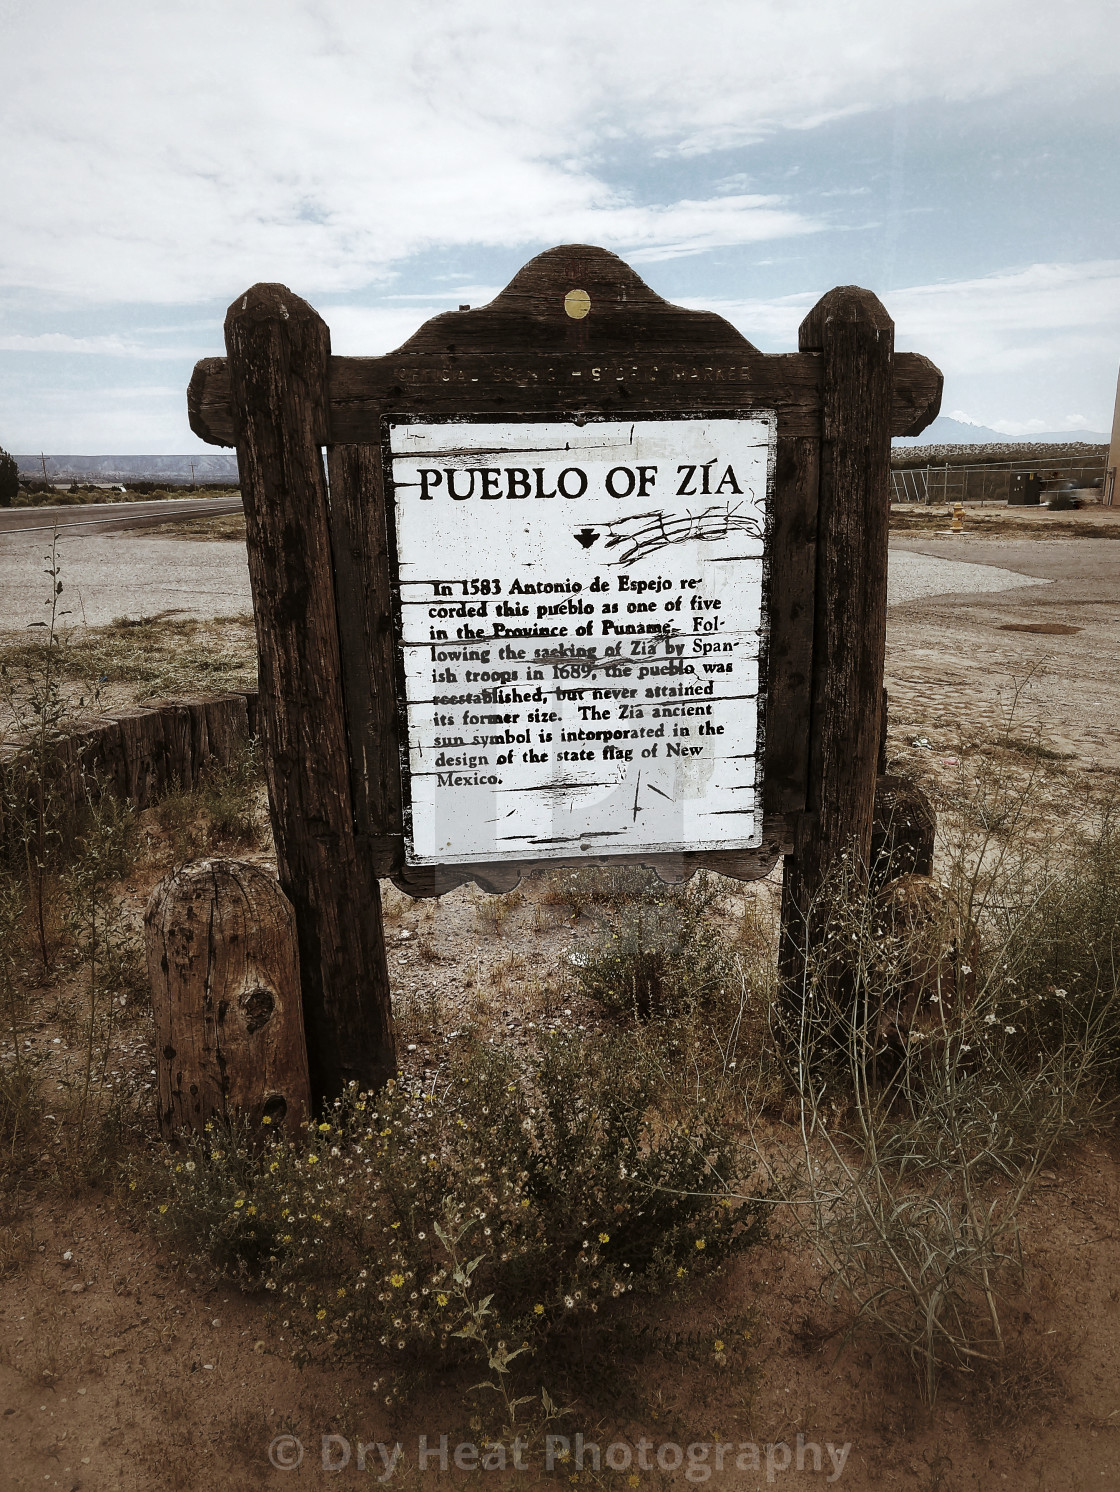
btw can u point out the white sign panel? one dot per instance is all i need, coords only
(581, 634)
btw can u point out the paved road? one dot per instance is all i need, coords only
(914, 574)
(108, 518)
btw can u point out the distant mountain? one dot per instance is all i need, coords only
(946, 432)
(206, 468)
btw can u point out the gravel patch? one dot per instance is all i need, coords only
(105, 578)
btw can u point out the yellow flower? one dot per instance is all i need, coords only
(681, 1272)
(252, 1209)
(324, 1129)
(538, 1310)
(604, 1238)
(719, 1345)
(319, 1315)
(341, 1292)
(699, 1243)
(265, 1119)
(396, 1280)
(240, 1202)
(312, 1160)
(163, 1206)
(275, 1166)
(441, 1299)
(631, 1480)
(132, 1186)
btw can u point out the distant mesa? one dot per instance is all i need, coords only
(220, 466)
(208, 467)
(946, 432)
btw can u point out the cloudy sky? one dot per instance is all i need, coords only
(392, 160)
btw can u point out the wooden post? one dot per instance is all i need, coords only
(855, 339)
(279, 350)
(222, 958)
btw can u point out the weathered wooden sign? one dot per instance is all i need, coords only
(582, 633)
(584, 576)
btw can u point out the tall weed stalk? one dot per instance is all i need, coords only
(966, 1049)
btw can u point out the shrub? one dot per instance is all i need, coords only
(222, 811)
(1056, 948)
(999, 1014)
(626, 885)
(538, 1194)
(663, 957)
(9, 479)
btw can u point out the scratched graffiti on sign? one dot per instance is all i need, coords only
(581, 632)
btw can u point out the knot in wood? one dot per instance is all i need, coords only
(257, 1006)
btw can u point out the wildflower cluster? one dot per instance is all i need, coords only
(564, 1183)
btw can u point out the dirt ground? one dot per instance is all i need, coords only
(1039, 662)
(122, 1372)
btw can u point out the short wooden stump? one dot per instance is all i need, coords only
(224, 967)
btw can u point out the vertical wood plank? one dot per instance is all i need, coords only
(790, 656)
(855, 338)
(278, 349)
(359, 539)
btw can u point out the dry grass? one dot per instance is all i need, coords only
(223, 526)
(128, 661)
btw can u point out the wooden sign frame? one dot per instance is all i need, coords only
(308, 428)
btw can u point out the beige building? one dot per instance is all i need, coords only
(1111, 495)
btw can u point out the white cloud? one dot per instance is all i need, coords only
(107, 346)
(369, 331)
(1058, 324)
(123, 419)
(163, 152)
(1007, 321)
(998, 321)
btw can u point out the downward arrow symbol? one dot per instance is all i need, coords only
(586, 537)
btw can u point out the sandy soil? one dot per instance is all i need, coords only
(969, 664)
(122, 1372)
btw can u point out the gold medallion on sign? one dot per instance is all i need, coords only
(577, 303)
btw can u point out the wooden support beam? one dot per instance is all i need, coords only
(361, 389)
(855, 338)
(278, 352)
